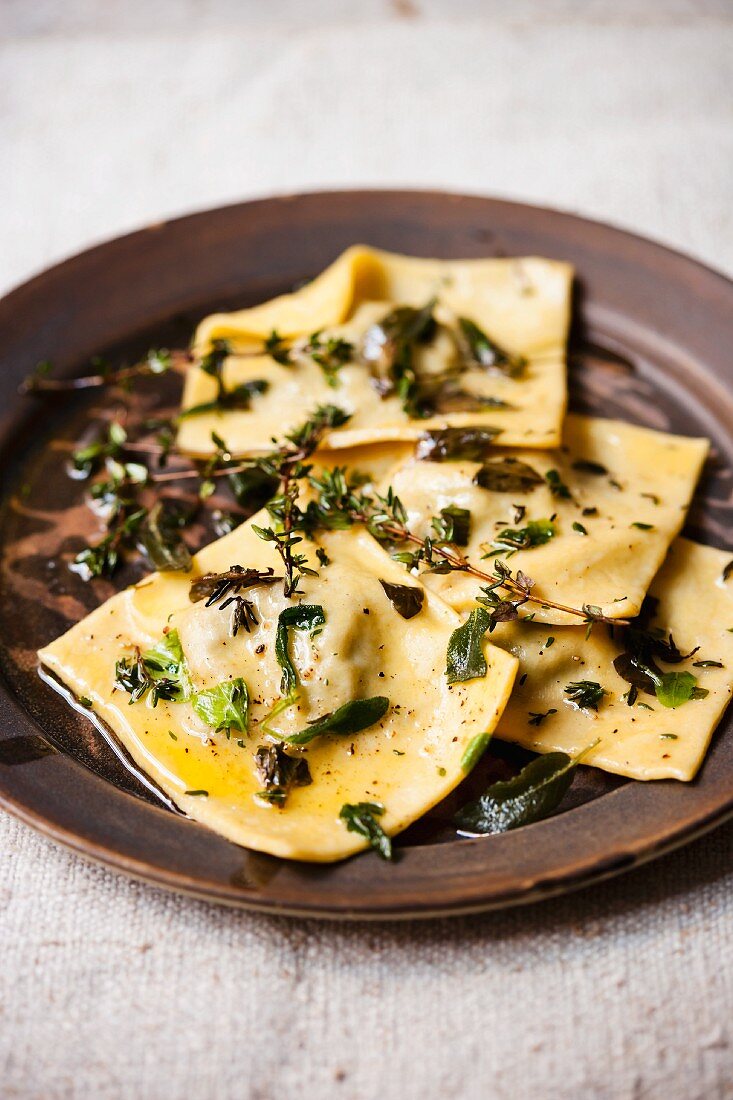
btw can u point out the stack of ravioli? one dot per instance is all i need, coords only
(603, 502)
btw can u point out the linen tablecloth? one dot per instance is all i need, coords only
(118, 114)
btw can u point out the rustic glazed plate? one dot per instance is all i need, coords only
(652, 343)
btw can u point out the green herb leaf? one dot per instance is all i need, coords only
(587, 467)
(533, 794)
(457, 444)
(361, 818)
(479, 350)
(406, 599)
(507, 475)
(352, 717)
(557, 486)
(159, 537)
(536, 533)
(675, 688)
(224, 707)
(303, 616)
(453, 525)
(643, 526)
(580, 528)
(586, 694)
(465, 659)
(474, 750)
(279, 773)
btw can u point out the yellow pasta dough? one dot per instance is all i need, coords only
(522, 304)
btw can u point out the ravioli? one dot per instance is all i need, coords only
(646, 740)
(522, 304)
(602, 511)
(407, 761)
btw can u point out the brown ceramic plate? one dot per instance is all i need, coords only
(651, 343)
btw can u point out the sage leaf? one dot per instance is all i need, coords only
(456, 444)
(479, 350)
(675, 688)
(353, 716)
(279, 773)
(159, 537)
(224, 707)
(406, 599)
(361, 818)
(465, 658)
(507, 475)
(533, 794)
(304, 616)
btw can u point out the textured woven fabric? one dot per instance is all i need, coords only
(117, 114)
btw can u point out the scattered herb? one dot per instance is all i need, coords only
(159, 536)
(224, 588)
(453, 525)
(279, 773)
(456, 444)
(586, 467)
(352, 717)
(580, 528)
(224, 707)
(389, 347)
(557, 486)
(465, 658)
(537, 532)
(331, 354)
(303, 616)
(530, 796)
(507, 475)
(643, 526)
(585, 694)
(361, 818)
(406, 599)
(479, 350)
(536, 718)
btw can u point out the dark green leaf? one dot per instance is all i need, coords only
(480, 350)
(353, 716)
(536, 533)
(558, 488)
(406, 599)
(507, 475)
(224, 707)
(302, 616)
(587, 467)
(159, 537)
(465, 658)
(643, 526)
(279, 773)
(456, 444)
(361, 818)
(586, 694)
(580, 528)
(453, 525)
(533, 794)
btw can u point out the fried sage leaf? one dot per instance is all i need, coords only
(406, 599)
(304, 616)
(507, 475)
(279, 773)
(456, 444)
(361, 818)
(159, 537)
(465, 658)
(389, 349)
(479, 350)
(353, 716)
(533, 794)
(224, 707)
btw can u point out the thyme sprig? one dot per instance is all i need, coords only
(341, 504)
(156, 361)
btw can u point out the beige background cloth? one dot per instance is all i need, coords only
(113, 114)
